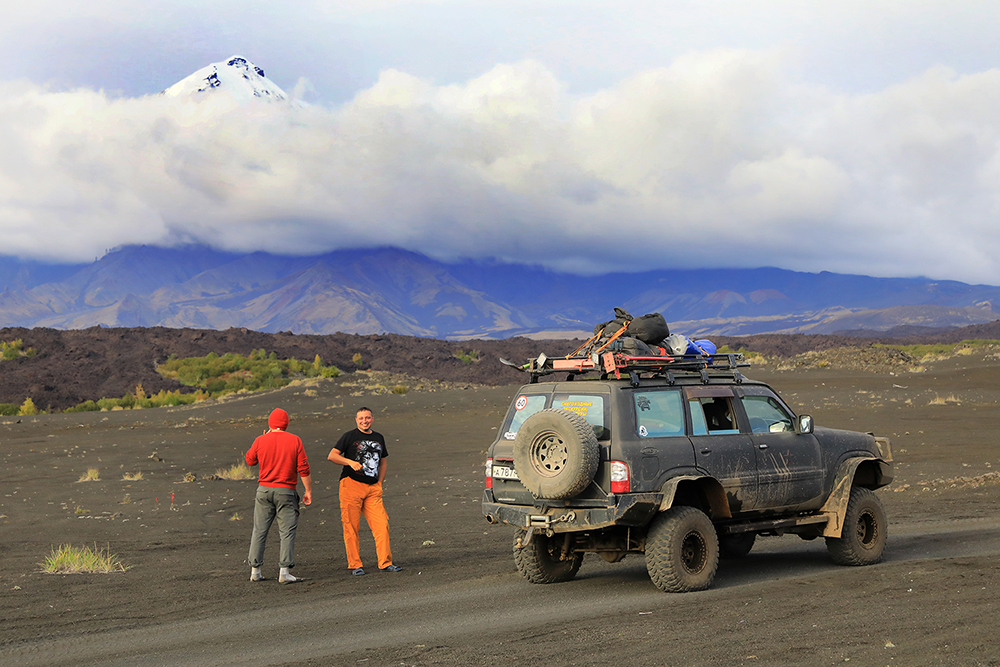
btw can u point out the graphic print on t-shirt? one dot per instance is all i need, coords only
(369, 455)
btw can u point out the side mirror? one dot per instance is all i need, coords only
(804, 425)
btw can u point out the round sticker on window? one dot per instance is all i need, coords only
(642, 431)
(521, 403)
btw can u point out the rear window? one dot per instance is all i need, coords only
(659, 414)
(524, 407)
(712, 415)
(590, 407)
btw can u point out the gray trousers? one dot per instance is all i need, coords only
(269, 504)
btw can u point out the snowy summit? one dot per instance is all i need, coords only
(236, 76)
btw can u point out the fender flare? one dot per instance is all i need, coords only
(835, 506)
(709, 486)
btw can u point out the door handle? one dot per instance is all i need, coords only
(706, 451)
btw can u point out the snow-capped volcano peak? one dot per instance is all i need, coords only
(237, 77)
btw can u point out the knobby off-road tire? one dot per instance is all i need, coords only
(734, 546)
(556, 454)
(863, 538)
(682, 550)
(539, 561)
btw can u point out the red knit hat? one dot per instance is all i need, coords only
(278, 419)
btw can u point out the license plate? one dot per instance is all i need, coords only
(504, 472)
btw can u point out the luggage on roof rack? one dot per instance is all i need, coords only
(636, 345)
(617, 363)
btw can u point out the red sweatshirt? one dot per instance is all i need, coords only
(280, 455)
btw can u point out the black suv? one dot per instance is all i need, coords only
(684, 460)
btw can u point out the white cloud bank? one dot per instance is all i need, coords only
(721, 159)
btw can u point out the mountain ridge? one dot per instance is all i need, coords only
(391, 290)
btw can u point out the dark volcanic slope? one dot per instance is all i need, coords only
(87, 364)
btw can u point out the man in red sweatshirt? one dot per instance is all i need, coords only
(282, 461)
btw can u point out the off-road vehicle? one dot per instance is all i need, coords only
(682, 459)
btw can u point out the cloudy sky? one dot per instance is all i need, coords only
(850, 136)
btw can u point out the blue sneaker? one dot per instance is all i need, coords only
(357, 572)
(391, 568)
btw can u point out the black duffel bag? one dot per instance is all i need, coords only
(650, 329)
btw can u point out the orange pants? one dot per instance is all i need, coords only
(357, 498)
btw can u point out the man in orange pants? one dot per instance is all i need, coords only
(363, 454)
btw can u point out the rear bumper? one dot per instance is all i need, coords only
(630, 509)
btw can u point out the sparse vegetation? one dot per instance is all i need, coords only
(236, 517)
(467, 358)
(938, 400)
(9, 409)
(218, 375)
(400, 389)
(15, 349)
(357, 359)
(214, 376)
(755, 358)
(133, 401)
(92, 475)
(238, 471)
(68, 559)
(940, 351)
(132, 477)
(28, 408)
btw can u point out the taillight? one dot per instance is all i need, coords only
(489, 473)
(619, 477)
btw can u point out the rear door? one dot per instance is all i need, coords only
(719, 447)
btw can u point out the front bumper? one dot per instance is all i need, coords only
(630, 509)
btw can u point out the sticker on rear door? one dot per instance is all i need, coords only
(521, 403)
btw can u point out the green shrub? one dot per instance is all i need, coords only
(14, 349)
(467, 358)
(9, 409)
(28, 407)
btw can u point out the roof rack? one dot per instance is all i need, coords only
(617, 363)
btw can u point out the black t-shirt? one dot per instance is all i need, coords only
(366, 448)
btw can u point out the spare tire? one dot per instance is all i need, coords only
(556, 454)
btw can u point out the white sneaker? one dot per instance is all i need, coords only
(255, 574)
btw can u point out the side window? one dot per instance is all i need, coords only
(712, 415)
(524, 407)
(766, 415)
(659, 414)
(589, 406)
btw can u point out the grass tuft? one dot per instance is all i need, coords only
(238, 471)
(92, 475)
(68, 559)
(132, 477)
